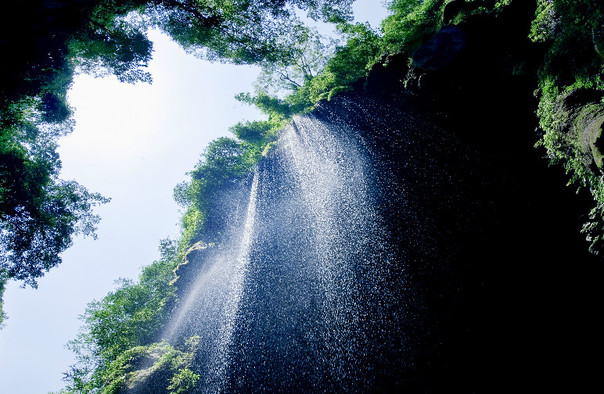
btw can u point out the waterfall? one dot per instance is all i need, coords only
(209, 309)
(330, 165)
(303, 295)
(386, 247)
(237, 278)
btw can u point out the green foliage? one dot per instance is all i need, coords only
(308, 55)
(40, 227)
(2, 286)
(409, 23)
(39, 213)
(544, 23)
(309, 82)
(242, 31)
(119, 52)
(157, 365)
(183, 381)
(338, 64)
(125, 319)
(570, 30)
(224, 165)
(225, 160)
(169, 368)
(257, 133)
(278, 110)
(350, 62)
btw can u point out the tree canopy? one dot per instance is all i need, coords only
(242, 31)
(50, 41)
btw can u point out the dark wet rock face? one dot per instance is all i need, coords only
(383, 251)
(403, 241)
(492, 249)
(580, 115)
(440, 50)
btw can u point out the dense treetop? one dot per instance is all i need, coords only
(51, 40)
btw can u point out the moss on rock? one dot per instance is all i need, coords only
(159, 366)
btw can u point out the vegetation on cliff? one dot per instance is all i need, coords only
(2, 314)
(119, 328)
(571, 89)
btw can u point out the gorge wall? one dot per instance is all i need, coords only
(388, 252)
(403, 237)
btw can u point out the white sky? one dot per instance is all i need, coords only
(132, 143)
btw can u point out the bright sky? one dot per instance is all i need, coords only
(132, 143)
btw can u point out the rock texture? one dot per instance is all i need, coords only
(505, 293)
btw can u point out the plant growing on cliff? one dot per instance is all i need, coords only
(2, 286)
(225, 163)
(571, 76)
(126, 318)
(158, 365)
(304, 85)
(409, 23)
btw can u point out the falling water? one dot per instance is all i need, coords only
(304, 295)
(210, 307)
(236, 282)
(330, 165)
